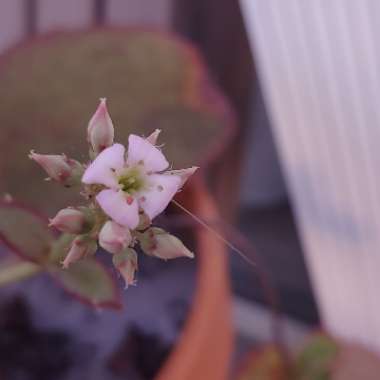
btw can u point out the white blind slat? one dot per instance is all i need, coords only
(60, 15)
(12, 23)
(318, 65)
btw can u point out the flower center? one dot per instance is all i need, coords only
(131, 181)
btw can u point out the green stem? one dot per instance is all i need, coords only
(11, 272)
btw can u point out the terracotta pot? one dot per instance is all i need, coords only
(204, 349)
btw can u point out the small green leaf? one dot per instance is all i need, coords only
(24, 232)
(90, 282)
(315, 360)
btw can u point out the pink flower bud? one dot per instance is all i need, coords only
(126, 263)
(81, 246)
(114, 238)
(184, 174)
(157, 242)
(59, 167)
(153, 137)
(71, 221)
(100, 131)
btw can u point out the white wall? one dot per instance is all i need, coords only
(145, 12)
(319, 67)
(11, 22)
(78, 14)
(67, 14)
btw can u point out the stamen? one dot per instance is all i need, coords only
(160, 188)
(129, 200)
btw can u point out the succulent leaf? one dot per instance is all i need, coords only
(90, 282)
(24, 232)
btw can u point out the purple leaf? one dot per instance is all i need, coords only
(25, 232)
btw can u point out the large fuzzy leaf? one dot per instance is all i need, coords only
(151, 80)
(25, 232)
(90, 282)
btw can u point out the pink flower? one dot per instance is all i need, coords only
(81, 247)
(114, 238)
(100, 131)
(69, 220)
(157, 242)
(137, 181)
(58, 167)
(126, 264)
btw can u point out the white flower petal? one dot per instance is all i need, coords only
(141, 151)
(121, 208)
(162, 189)
(102, 170)
(184, 174)
(152, 138)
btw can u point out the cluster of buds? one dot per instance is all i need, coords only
(124, 190)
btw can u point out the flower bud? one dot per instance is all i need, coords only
(184, 174)
(59, 167)
(152, 138)
(114, 238)
(157, 242)
(126, 263)
(100, 131)
(81, 246)
(72, 221)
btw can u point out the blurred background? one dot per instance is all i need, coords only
(276, 101)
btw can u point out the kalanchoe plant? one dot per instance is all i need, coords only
(124, 191)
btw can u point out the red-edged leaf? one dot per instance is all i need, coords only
(90, 282)
(25, 232)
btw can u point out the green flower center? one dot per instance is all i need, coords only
(131, 181)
